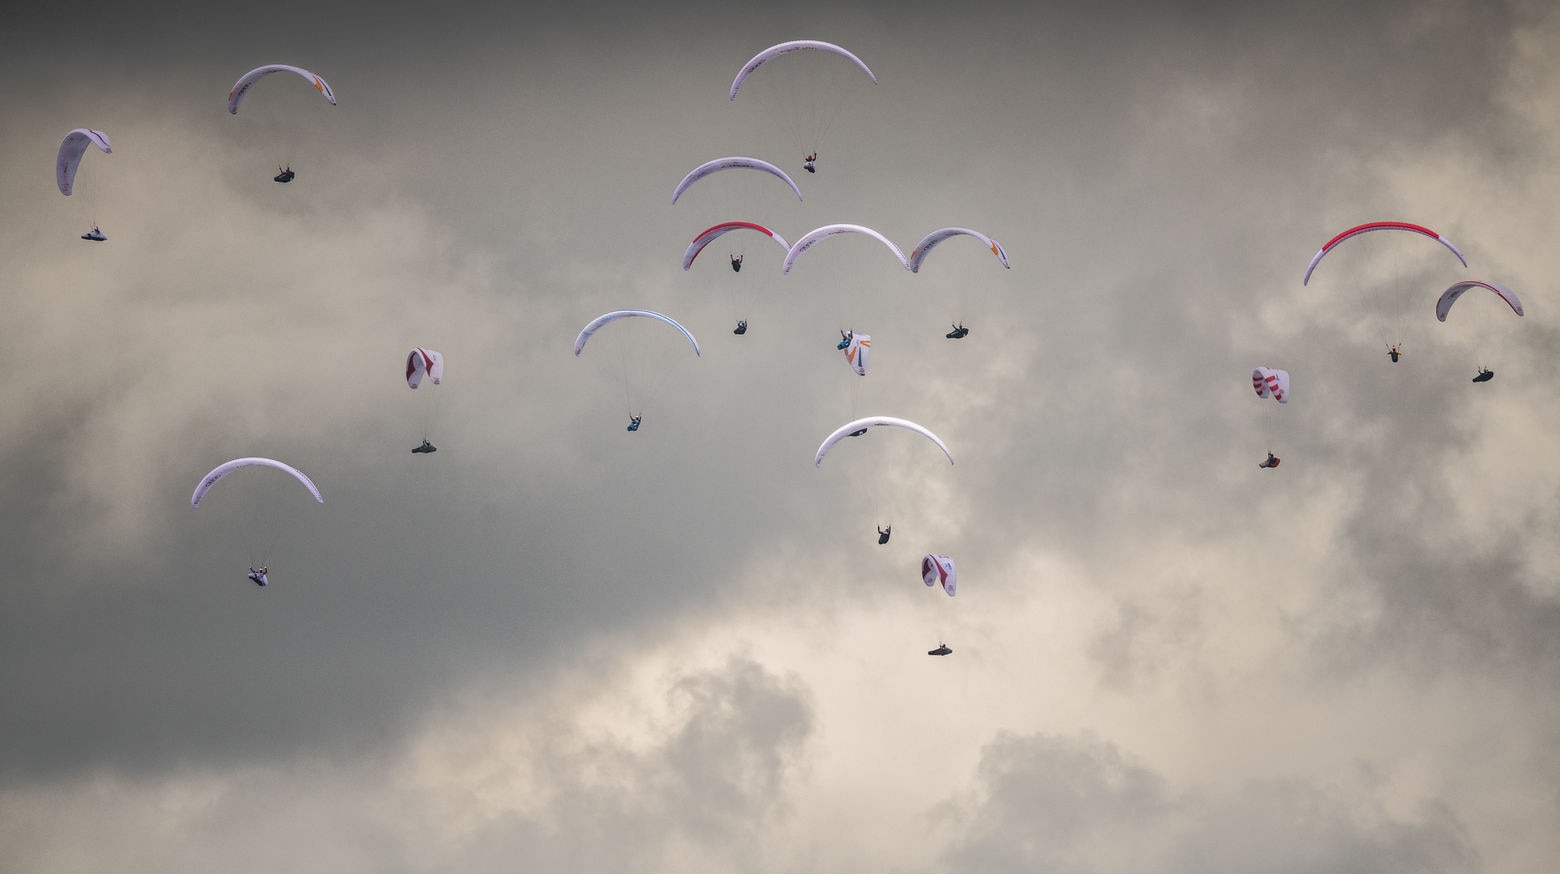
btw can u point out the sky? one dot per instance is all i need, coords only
(556, 645)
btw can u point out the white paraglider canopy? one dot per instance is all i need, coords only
(1443, 305)
(849, 428)
(608, 318)
(918, 254)
(71, 149)
(248, 80)
(823, 233)
(734, 163)
(786, 48)
(227, 467)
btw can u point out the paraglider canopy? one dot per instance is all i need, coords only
(248, 80)
(930, 241)
(1378, 226)
(869, 422)
(786, 48)
(608, 318)
(1443, 305)
(227, 467)
(939, 570)
(857, 347)
(733, 163)
(711, 234)
(1268, 382)
(422, 362)
(812, 237)
(69, 158)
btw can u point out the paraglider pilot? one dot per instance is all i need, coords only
(741, 327)
(1393, 351)
(1272, 461)
(941, 650)
(426, 447)
(1484, 375)
(258, 577)
(845, 339)
(284, 176)
(633, 423)
(94, 235)
(810, 162)
(959, 332)
(883, 534)
(736, 263)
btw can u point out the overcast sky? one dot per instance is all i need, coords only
(555, 645)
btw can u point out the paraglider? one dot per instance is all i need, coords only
(939, 570)
(421, 363)
(636, 375)
(1443, 308)
(248, 81)
(1268, 382)
(856, 346)
(959, 332)
(733, 163)
(68, 160)
(804, 94)
(941, 650)
(259, 577)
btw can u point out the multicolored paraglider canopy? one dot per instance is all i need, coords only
(1269, 382)
(1378, 226)
(939, 569)
(422, 362)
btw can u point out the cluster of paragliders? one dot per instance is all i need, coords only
(1274, 383)
(427, 365)
(68, 162)
(855, 345)
(74, 146)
